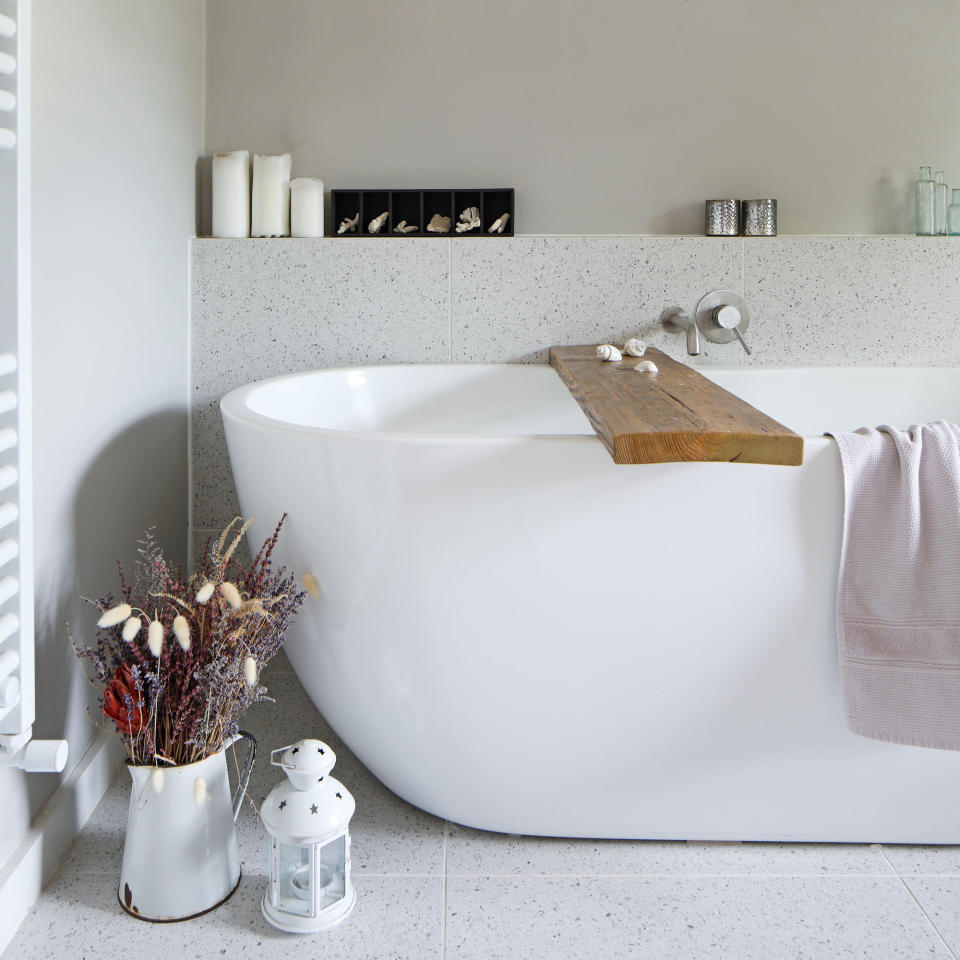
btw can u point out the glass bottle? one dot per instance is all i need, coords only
(924, 198)
(941, 194)
(953, 215)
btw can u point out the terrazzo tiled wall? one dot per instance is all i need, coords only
(266, 307)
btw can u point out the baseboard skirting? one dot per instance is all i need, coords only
(32, 863)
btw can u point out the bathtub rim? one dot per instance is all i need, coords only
(233, 404)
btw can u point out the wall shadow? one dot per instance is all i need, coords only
(138, 479)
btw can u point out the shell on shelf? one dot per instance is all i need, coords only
(404, 227)
(646, 366)
(438, 224)
(347, 225)
(607, 351)
(634, 347)
(500, 224)
(469, 220)
(376, 224)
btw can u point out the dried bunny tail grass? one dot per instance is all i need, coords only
(250, 671)
(173, 599)
(155, 637)
(115, 615)
(231, 594)
(223, 536)
(131, 628)
(236, 540)
(181, 630)
(254, 606)
(205, 592)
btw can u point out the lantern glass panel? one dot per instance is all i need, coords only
(292, 893)
(332, 873)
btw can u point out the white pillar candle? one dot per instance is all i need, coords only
(271, 196)
(306, 207)
(231, 194)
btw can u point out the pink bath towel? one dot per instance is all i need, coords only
(898, 596)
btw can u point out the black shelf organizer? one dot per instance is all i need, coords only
(417, 207)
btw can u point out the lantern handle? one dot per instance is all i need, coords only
(273, 753)
(243, 778)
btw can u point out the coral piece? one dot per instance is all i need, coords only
(607, 351)
(404, 227)
(375, 225)
(634, 347)
(500, 224)
(349, 226)
(469, 220)
(646, 366)
(438, 224)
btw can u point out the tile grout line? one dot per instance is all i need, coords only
(670, 876)
(743, 285)
(743, 257)
(910, 893)
(443, 889)
(190, 478)
(449, 314)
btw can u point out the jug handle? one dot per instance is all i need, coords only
(244, 777)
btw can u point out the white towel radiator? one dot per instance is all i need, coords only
(17, 704)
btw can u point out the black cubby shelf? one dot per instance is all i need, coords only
(417, 207)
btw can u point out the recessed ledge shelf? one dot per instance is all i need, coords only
(676, 414)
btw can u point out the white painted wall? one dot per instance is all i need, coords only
(613, 116)
(117, 127)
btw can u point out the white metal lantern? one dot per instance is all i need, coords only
(308, 818)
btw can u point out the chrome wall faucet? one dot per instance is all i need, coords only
(674, 317)
(721, 316)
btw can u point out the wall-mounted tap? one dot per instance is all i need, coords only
(722, 317)
(674, 317)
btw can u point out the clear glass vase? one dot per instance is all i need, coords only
(924, 197)
(953, 215)
(941, 200)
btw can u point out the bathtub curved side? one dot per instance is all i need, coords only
(520, 636)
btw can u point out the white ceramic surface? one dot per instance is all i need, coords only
(515, 634)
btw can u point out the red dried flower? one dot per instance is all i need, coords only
(121, 702)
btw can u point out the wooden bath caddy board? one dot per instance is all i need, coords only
(675, 414)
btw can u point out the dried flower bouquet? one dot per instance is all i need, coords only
(178, 661)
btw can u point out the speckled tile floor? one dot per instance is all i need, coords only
(430, 889)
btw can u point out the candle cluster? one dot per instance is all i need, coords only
(275, 206)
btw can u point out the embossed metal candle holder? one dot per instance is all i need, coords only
(723, 218)
(759, 218)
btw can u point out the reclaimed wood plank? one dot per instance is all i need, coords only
(676, 414)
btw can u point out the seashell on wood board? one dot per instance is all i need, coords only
(607, 351)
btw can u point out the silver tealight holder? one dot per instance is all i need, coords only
(759, 218)
(723, 218)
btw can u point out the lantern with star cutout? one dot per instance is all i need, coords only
(308, 819)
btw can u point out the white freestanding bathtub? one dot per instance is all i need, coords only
(516, 634)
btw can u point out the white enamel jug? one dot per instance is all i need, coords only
(180, 857)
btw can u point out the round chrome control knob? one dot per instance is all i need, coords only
(727, 316)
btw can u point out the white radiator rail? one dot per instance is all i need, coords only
(17, 695)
